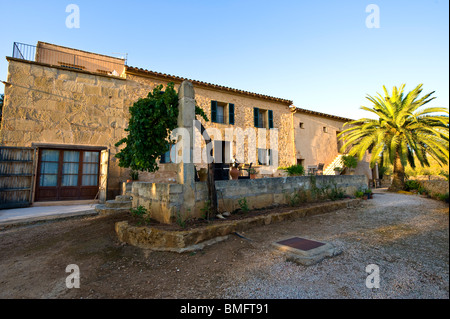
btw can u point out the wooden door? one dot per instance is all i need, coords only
(16, 176)
(67, 174)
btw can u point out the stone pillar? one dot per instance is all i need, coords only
(186, 171)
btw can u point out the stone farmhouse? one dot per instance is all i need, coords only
(71, 107)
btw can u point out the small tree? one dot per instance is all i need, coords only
(152, 119)
(350, 162)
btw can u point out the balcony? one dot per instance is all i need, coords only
(70, 59)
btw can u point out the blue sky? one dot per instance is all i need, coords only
(320, 54)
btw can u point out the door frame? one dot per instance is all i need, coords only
(79, 188)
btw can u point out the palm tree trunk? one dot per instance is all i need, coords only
(398, 183)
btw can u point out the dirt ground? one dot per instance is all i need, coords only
(407, 236)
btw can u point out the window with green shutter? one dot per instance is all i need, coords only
(214, 111)
(270, 119)
(256, 116)
(231, 114)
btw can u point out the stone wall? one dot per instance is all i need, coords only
(165, 201)
(57, 106)
(435, 186)
(54, 105)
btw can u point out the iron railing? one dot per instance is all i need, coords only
(57, 57)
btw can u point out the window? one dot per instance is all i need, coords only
(70, 169)
(222, 112)
(301, 125)
(265, 156)
(165, 158)
(325, 129)
(67, 174)
(263, 118)
(91, 162)
(49, 168)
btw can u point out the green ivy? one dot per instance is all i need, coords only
(151, 121)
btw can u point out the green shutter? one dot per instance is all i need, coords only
(231, 114)
(214, 111)
(270, 119)
(256, 116)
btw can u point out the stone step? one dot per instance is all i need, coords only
(123, 198)
(103, 210)
(115, 204)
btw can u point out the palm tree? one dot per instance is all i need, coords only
(402, 133)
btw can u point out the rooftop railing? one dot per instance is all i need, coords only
(83, 61)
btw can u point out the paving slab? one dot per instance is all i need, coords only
(18, 216)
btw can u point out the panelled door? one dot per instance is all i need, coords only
(67, 174)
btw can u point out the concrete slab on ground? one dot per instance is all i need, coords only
(43, 213)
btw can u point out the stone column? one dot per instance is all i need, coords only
(186, 171)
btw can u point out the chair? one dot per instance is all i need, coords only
(312, 169)
(320, 168)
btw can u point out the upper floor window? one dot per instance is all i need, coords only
(263, 118)
(222, 112)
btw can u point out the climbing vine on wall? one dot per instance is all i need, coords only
(151, 121)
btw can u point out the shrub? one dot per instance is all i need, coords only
(139, 212)
(349, 161)
(411, 185)
(295, 170)
(243, 205)
(359, 194)
(292, 199)
(180, 220)
(336, 193)
(423, 191)
(205, 210)
(443, 197)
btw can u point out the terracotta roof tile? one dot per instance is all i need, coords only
(335, 117)
(130, 69)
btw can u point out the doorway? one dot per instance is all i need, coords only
(222, 160)
(67, 174)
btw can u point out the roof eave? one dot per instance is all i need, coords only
(140, 71)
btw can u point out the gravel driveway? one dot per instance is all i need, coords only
(406, 236)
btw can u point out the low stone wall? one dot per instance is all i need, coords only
(189, 240)
(165, 201)
(435, 186)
